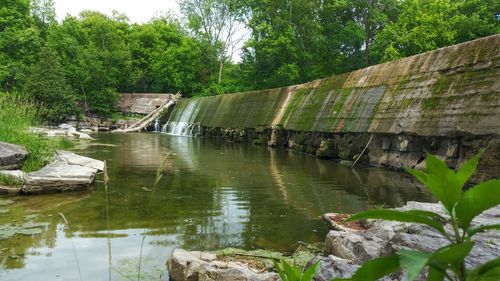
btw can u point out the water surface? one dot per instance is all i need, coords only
(212, 195)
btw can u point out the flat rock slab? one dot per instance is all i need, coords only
(74, 159)
(14, 174)
(11, 156)
(69, 172)
(199, 266)
(69, 132)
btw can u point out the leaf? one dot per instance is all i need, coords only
(450, 255)
(292, 272)
(477, 200)
(474, 230)
(489, 271)
(281, 273)
(395, 215)
(308, 275)
(376, 269)
(434, 216)
(469, 167)
(435, 274)
(413, 262)
(441, 183)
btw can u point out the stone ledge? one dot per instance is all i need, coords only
(199, 266)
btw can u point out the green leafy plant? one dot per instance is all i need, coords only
(461, 206)
(288, 272)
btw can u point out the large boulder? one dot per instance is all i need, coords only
(383, 238)
(198, 266)
(68, 172)
(333, 267)
(11, 156)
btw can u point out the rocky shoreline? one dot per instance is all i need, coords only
(346, 248)
(66, 172)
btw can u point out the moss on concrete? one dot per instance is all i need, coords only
(428, 94)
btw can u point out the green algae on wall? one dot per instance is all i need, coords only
(449, 90)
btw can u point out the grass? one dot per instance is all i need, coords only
(9, 181)
(17, 115)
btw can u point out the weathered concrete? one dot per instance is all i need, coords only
(445, 102)
(142, 103)
(11, 156)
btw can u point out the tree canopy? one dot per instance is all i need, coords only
(98, 56)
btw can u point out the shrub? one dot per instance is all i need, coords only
(17, 115)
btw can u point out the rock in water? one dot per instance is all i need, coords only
(74, 159)
(69, 172)
(11, 156)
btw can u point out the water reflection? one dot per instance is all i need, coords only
(213, 195)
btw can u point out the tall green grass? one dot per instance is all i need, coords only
(17, 115)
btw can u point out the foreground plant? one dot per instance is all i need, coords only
(461, 207)
(288, 272)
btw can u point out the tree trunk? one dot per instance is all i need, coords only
(367, 52)
(221, 67)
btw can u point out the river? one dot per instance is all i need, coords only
(212, 195)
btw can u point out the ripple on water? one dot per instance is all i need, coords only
(212, 195)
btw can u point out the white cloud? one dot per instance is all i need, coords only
(138, 11)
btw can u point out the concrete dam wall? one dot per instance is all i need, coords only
(446, 102)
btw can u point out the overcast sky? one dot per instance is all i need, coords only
(138, 11)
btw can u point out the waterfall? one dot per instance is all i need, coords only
(157, 125)
(182, 123)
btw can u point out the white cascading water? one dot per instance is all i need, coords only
(184, 125)
(157, 125)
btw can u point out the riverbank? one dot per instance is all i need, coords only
(346, 247)
(17, 116)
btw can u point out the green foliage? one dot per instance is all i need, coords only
(9, 181)
(375, 269)
(290, 42)
(20, 43)
(47, 85)
(461, 207)
(425, 25)
(17, 115)
(288, 272)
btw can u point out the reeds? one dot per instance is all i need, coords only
(17, 115)
(158, 177)
(72, 245)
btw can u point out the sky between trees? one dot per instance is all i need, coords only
(79, 63)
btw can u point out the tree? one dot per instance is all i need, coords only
(476, 18)
(373, 16)
(44, 15)
(219, 23)
(20, 43)
(49, 88)
(425, 25)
